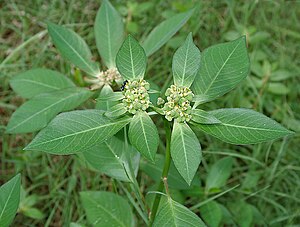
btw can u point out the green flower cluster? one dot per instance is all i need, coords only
(136, 97)
(178, 105)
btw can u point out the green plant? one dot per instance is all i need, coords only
(198, 78)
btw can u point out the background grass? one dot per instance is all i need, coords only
(268, 173)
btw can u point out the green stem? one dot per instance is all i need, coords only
(164, 173)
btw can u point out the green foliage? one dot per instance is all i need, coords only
(131, 59)
(73, 48)
(9, 200)
(106, 208)
(172, 213)
(211, 213)
(109, 33)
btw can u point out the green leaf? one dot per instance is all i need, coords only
(36, 81)
(175, 180)
(104, 104)
(143, 135)
(9, 200)
(219, 173)
(110, 158)
(186, 63)
(211, 213)
(203, 117)
(244, 126)
(171, 213)
(106, 209)
(76, 131)
(116, 111)
(185, 151)
(109, 33)
(131, 59)
(36, 113)
(164, 31)
(114, 96)
(73, 48)
(242, 213)
(222, 67)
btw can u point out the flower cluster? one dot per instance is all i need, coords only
(136, 97)
(178, 105)
(105, 77)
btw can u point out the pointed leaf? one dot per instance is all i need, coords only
(35, 114)
(222, 67)
(110, 158)
(73, 48)
(186, 63)
(76, 131)
(143, 135)
(116, 111)
(203, 117)
(36, 81)
(172, 213)
(9, 200)
(109, 33)
(106, 209)
(164, 31)
(185, 151)
(105, 105)
(219, 173)
(131, 59)
(244, 126)
(211, 213)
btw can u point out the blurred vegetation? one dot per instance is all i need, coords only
(267, 174)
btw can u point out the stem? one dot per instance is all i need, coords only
(164, 173)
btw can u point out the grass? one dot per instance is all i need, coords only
(268, 174)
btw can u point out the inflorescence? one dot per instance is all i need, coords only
(178, 105)
(105, 78)
(136, 97)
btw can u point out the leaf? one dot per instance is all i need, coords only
(143, 135)
(244, 126)
(9, 200)
(171, 213)
(116, 111)
(105, 104)
(114, 96)
(35, 114)
(109, 33)
(219, 173)
(175, 180)
(73, 48)
(76, 131)
(164, 31)
(242, 213)
(36, 81)
(211, 213)
(185, 151)
(131, 59)
(222, 67)
(106, 209)
(110, 158)
(186, 63)
(203, 117)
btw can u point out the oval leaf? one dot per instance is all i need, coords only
(164, 31)
(9, 200)
(73, 48)
(222, 67)
(203, 117)
(171, 213)
(185, 151)
(211, 213)
(244, 126)
(105, 104)
(106, 209)
(110, 158)
(219, 173)
(186, 63)
(143, 135)
(109, 33)
(76, 131)
(131, 59)
(36, 81)
(35, 114)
